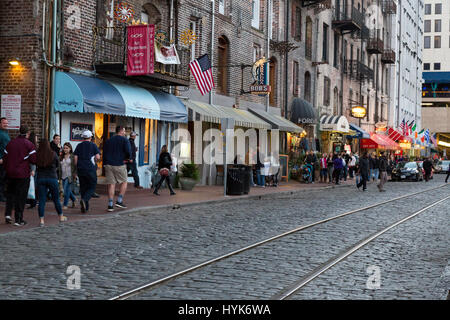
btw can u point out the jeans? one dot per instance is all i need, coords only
(133, 167)
(260, 179)
(67, 191)
(50, 184)
(160, 182)
(16, 196)
(383, 179)
(323, 174)
(252, 183)
(344, 173)
(88, 183)
(374, 173)
(351, 171)
(363, 181)
(330, 173)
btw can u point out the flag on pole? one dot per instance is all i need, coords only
(427, 135)
(202, 71)
(403, 126)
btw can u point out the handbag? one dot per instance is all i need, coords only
(31, 190)
(164, 172)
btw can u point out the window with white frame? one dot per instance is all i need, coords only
(255, 13)
(222, 7)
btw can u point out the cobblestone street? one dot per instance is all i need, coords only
(120, 252)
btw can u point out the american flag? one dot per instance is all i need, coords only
(202, 71)
(403, 126)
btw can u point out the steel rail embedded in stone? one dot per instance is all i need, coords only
(148, 286)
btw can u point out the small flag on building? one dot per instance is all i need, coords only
(427, 135)
(202, 71)
(403, 126)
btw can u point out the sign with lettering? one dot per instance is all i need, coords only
(260, 72)
(11, 107)
(140, 49)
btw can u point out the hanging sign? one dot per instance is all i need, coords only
(11, 107)
(380, 127)
(260, 72)
(140, 50)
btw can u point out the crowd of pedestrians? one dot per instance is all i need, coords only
(34, 172)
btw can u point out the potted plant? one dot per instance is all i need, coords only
(189, 176)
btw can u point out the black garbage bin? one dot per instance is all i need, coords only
(235, 183)
(246, 171)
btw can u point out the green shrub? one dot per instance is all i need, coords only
(190, 170)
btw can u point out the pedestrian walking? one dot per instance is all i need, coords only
(164, 163)
(132, 165)
(330, 167)
(383, 166)
(427, 167)
(4, 140)
(86, 155)
(116, 153)
(68, 174)
(338, 165)
(351, 165)
(374, 166)
(364, 170)
(47, 163)
(323, 168)
(448, 174)
(19, 154)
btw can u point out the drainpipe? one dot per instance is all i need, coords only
(51, 126)
(171, 33)
(269, 24)
(211, 93)
(399, 61)
(286, 59)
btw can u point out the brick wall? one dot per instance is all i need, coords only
(20, 36)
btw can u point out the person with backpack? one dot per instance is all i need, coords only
(164, 164)
(47, 164)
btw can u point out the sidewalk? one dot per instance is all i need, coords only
(145, 200)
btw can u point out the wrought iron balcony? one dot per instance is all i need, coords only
(388, 56)
(110, 57)
(374, 44)
(357, 70)
(317, 5)
(389, 7)
(347, 18)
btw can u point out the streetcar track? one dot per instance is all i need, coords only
(334, 261)
(146, 287)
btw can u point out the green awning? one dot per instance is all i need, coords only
(277, 122)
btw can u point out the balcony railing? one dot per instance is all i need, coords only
(110, 56)
(358, 71)
(347, 17)
(389, 7)
(374, 44)
(388, 56)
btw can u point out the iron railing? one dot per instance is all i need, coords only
(389, 7)
(358, 71)
(388, 56)
(348, 14)
(110, 47)
(375, 44)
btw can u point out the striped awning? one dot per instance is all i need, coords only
(395, 135)
(277, 122)
(379, 141)
(334, 123)
(200, 111)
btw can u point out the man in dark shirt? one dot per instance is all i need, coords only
(56, 144)
(427, 167)
(116, 152)
(364, 169)
(85, 156)
(4, 140)
(132, 165)
(383, 164)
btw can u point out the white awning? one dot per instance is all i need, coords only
(334, 123)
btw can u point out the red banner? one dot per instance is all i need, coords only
(140, 50)
(368, 144)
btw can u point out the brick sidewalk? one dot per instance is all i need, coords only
(138, 200)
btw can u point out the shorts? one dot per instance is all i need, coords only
(116, 174)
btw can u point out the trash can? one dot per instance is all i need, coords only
(246, 171)
(235, 182)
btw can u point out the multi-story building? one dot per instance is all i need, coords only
(436, 72)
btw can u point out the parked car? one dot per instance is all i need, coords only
(420, 163)
(407, 171)
(444, 166)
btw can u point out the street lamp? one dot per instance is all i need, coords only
(14, 62)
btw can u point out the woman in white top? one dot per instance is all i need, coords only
(68, 174)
